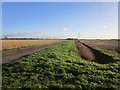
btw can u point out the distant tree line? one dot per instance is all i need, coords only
(72, 39)
(6, 38)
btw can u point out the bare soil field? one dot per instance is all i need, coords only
(103, 44)
(10, 44)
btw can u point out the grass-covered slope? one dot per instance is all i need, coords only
(60, 67)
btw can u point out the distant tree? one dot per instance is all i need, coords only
(69, 39)
(5, 37)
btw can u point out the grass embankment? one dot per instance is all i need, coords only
(60, 67)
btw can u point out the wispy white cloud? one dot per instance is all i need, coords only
(106, 35)
(66, 29)
(102, 35)
(23, 34)
(34, 35)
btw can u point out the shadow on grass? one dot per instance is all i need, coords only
(100, 57)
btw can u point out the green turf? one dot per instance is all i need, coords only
(61, 67)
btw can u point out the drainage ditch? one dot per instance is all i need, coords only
(90, 54)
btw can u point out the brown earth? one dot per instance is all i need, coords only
(104, 44)
(85, 52)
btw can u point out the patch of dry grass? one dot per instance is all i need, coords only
(10, 44)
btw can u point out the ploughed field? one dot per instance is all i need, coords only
(13, 44)
(104, 44)
(70, 64)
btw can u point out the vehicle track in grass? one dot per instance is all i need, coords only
(91, 54)
(14, 55)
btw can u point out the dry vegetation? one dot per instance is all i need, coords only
(10, 44)
(103, 44)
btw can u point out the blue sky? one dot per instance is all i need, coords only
(60, 19)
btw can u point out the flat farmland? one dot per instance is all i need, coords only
(11, 44)
(103, 44)
(64, 66)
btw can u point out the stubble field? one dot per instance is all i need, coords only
(11, 44)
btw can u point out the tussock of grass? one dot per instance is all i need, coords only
(60, 67)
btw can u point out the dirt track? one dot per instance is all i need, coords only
(10, 56)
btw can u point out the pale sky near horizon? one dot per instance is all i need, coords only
(98, 20)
